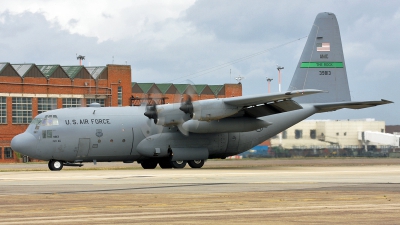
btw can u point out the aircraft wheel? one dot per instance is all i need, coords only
(178, 164)
(149, 164)
(165, 164)
(55, 165)
(196, 163)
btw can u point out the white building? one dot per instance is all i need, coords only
(318, 134)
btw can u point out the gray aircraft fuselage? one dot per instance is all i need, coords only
(115, 133)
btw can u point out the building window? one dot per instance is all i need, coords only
(93, 100)
(298, 134)
(284, 134)
(46, 104)
(313, 134)
(3, 110)
(22, 110)
(345, 133)
(119, 96)
(8, 153)
(1, 153)
(71, 102)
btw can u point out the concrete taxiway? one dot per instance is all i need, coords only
(367, 194)
(200, 180)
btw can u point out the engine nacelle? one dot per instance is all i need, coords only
(242, 124)
(213, 109)
(170, 115)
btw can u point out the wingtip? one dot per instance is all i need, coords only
(386, 101)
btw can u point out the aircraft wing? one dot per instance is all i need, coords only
(254, 100)
(263, 105)
(327, 107)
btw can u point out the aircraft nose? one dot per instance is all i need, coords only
(24, 143)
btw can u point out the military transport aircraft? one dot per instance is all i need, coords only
(173, 135)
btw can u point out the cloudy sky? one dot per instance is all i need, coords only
(210, 42)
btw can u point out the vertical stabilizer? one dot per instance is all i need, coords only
(322, 65)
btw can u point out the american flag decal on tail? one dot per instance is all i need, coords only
(323, 47)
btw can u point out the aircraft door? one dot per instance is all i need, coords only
(233, 142)
(223, 142)
(83, 148)
(218, 144)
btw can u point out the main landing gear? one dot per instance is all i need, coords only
(55, 165)
(149, 164)
(196, 163)
(167, 164)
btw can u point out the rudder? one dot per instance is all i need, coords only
(321, 65)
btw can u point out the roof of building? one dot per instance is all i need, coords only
(145, 86)
(164, 87)
(170, 88)
(28, 70)
(2, 66)
(216, 88)
(199, 87)
(48, 70)
(7, 70)
(95, 71)
(22, 69)
(72, 71)
(181, 88)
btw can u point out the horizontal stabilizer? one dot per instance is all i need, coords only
(328, 107)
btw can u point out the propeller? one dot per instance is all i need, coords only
(148, 128)
(187, 106)
(170, 115)
(151, 111)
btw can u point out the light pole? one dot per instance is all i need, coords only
(80, 57)
(279, 68)
(269, 84)
(239, 79)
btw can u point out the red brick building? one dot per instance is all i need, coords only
(27, 90)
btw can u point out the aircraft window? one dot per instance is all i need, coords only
(55, 120)
(36, 121)
(50, 120)
(49, 133)
(43, 134)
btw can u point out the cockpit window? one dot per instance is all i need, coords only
(50, 120)
(36, 121)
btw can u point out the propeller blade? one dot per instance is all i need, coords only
(183, 131)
